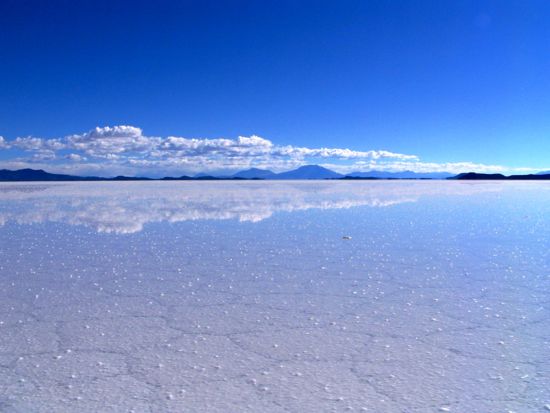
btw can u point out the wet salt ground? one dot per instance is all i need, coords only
(233, 297)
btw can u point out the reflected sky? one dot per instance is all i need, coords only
(394, 296)
(118, 207)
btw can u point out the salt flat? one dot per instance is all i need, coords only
(384, 296)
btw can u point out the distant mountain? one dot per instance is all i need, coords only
(309, 172)
(303, 172)
(543, 173)
(475, 175)
(254, 173)
(478, 176)
(536, 177)
(179, 178)
(400, 175)
(37, 175)
(21, 175)
(120, 178)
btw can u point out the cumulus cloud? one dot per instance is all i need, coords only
(43, 155)
(424, 167)
(126, 149)
(31, 143)
(108, 141)
(340, 153)
(242, 146)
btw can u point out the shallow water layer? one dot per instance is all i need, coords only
(395, 296)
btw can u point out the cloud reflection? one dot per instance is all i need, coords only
(126, 207)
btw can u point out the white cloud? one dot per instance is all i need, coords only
(425, 167)
(75, 157)
(109, 141)
(125, 149)
(43, 155)
(340, 153)
(453, 167)
(191, 147)
(31, 143)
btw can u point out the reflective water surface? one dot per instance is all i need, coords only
(384, 296)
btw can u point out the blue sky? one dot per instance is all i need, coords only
(354, 85)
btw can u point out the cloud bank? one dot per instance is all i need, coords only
(127, 150)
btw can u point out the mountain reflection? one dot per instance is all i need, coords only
(125, 207)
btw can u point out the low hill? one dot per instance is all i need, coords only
(309, 172)
(500, 177)
(254, 173)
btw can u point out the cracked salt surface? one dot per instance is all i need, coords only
(275, 297)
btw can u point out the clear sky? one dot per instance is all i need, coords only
(354, 85)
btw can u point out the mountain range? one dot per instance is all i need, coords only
(303, 172)
(254, 173)
(319, 172)
(500, 177)
(400, 175)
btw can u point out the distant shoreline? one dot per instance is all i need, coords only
(38, 175)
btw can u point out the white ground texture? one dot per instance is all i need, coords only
(403, 297)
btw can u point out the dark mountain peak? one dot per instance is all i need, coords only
(201, 175)
(309, 172)
(312, 168)
(29, 174)
(530, 177)
(254, 173)
(28, 171)
(475, 175)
